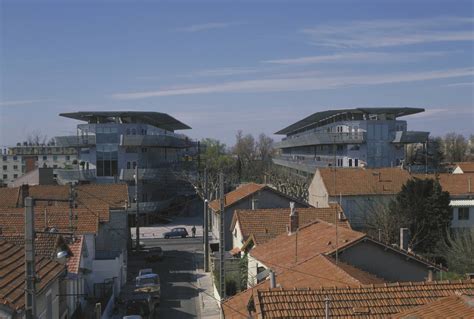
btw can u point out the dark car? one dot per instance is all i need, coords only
(142, 305)
(154, 254)
(176, 232)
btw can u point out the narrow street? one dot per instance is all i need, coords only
(177, 269)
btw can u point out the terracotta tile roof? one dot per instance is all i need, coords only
(362, 181)
(456, 184)
(286, 250)
(45, 243)
(236, 195)
(265, 224)
(456, 306)
(375, 301)
(74, 261)
(316, 272)
(12, 220)
(387, 181)
(110, 196)
(466, 167)
(12, 274)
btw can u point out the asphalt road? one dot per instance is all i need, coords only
(177, 274)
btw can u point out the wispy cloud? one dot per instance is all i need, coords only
(21, 102)
(385, 33)
(205, 26)
(371, 57)
(467, 84)
(229, 71)
(300, 83)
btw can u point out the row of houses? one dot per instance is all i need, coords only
(301, 256)
(81, 249)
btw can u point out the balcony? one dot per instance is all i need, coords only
(147, 174)
(65, 176)
(75, 141)
(174, 141)
(314, 138)
(150, 207)
(303, 163)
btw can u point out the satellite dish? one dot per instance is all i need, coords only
(62, 254)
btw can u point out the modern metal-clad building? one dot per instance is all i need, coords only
(368, 137)
(111, 144)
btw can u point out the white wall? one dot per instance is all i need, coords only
(41, 301)
(237, 239)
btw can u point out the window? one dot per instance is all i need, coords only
(128, 131)
(5, 176)
(5, 167)
(128, 165)
(134, 164)
(15, 158)
(45, 158)
(144, 149)
(463, 213)
(15, 175)
(356, 162)
(340, 147)
(350, 162)
(68, 157)
(107, 155)
(55, 166)
(5, 158)
(55, 158)
(15, 167)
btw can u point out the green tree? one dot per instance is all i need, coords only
(423, 208)
(458, 251)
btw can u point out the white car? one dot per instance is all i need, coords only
(133, 317)
(145, 271)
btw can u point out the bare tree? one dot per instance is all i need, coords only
(455, 147)
(264, 147)
(36, 137)
(458, 251)
(288, 182)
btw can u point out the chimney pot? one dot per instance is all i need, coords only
(272, 279)
(404, 238)
(294, 220)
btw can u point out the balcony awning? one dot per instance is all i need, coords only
(462, 203)
(410, 137)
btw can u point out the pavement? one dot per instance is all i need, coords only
(187, 291)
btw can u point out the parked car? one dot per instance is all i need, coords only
(145, 271)
(154, 254)
(133, 317)
(176, 232)
(149, 284)
(141, 305)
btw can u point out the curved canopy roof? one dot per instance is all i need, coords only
(157, 119)
(321, 116)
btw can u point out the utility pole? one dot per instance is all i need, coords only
(221, 240)
(137, 216)
(30, 276)
(205, 234)
(72, 197)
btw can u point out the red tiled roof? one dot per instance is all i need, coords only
(316, 272)
(236, 195)
(74, 261)
(45, 243)
(375, 301)
(315, 238)
(12, 274)
(386, 181)
(265, 224)
(456, 306)
(12, 220)
(363, 181)
(466, 167)
(107, 196)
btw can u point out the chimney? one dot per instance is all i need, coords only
(294, 220)
(430, 275)
(404, 238)
(272, 279)
(254, 203)
(24, 193)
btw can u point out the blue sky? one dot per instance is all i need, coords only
(221, 66)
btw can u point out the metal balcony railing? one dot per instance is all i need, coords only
(70, 175)
(75, 141)
(175, 141)
(147, 173)
(314, 138)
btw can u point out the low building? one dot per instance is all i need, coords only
(362, 191)
(354, 248)
(254, 227)
(316, 272)
(12, 284)
(374, 301)
(246, 196)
